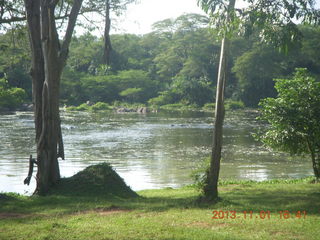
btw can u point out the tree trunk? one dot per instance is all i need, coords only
(48, 60)
(211, 185)
(316, 164)
(37, 64)
(107, 40)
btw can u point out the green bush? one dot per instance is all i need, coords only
(209, 107)
(164, 98)
(82, 107)
(132, 94)
(179, 107)
(233, 105)
(10, 98)
(101, 106)
(294, 117)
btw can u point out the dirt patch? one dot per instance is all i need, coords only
(104, 211)
(109, 212)
(6, 215)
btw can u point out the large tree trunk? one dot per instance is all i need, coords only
(48, 166)
(37, 65)
(48, 60)
(211, 185)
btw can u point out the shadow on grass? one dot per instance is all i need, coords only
(295, 197)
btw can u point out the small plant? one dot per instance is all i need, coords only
(199, 174)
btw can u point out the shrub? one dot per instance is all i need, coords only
(82, 107)
(10, 98)
(179, 107)
(233, 105)
(164, 98)
(101, 106)
(294, 117)
(209, 107)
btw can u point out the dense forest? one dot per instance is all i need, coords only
(176, 63)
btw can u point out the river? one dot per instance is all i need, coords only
(154, 150)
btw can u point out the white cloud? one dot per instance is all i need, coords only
(139, 17)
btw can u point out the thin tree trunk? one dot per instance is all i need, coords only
(107, 40)
(315, 164)
(211, 184)
(315, 160)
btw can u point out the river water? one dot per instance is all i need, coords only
(155, 150)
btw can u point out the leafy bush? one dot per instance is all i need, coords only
(209, 107)
(294, 117)
(199, 173)
(82, 107)
(132, 94)
(100, 106)
(192, 91)
(10, 98)
(233, 105)
(164, 98)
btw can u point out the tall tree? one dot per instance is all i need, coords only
(48, 60)
(211, 184)
(274, 21)
(49, 54)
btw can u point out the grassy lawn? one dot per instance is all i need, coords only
(167, 214)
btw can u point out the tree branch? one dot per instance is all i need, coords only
(71, 24)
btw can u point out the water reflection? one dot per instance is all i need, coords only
(148, 151)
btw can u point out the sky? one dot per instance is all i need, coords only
(140, 16)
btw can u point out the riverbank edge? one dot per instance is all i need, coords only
(125, 107)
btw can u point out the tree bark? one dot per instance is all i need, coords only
(37, 61)
(315, 164)
(48, 60)
(211, 184)
(107, 40)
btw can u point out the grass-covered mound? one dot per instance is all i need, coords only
(95, 180)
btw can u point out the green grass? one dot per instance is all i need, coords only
(166, 214)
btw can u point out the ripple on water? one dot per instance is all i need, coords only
(148, 151)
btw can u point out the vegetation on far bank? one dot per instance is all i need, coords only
(261, 209)
(10, 97)
(137, 107)
(176, 63)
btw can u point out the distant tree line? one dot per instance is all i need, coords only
(176, 63)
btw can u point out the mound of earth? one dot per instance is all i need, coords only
(95, 180)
